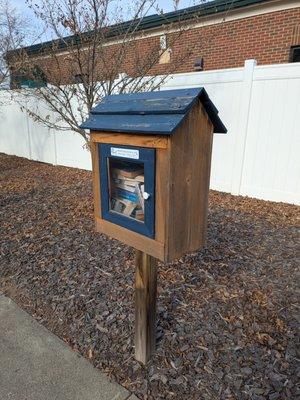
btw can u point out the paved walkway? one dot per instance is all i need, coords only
(37, 365)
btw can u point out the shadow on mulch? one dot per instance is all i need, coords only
(227, 315)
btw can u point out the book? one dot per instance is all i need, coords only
(129, 171)
(120, 184)
(130, 206)
(139, 215)
(117, 205)
(125, 207)
(140, 190)
(126, 181)
(120, 193)
(140, 178)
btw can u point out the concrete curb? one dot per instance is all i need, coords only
(36, 365)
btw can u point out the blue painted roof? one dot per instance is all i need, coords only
(150, 112)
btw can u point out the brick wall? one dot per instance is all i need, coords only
(266, 37)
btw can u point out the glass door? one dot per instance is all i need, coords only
(127, 176)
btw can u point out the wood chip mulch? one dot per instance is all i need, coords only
(227, 315)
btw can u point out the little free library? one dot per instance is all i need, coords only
(151, 156)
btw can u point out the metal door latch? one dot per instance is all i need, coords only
(146, 195)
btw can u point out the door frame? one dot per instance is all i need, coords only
(147, 157)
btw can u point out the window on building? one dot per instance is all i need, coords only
(295, 54)
(25, 78)
(80, 78)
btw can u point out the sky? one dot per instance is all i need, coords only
(37, 34)
(165, 5)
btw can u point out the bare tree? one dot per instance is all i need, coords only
(96, 53)
(12, 34)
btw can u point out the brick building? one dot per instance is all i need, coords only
(224, 35)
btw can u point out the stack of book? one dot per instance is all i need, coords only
(127, 187)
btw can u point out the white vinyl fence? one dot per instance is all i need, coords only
(259, 157)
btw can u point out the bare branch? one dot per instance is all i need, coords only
(96, 53)
(13, 29)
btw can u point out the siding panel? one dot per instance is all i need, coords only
(270, 166)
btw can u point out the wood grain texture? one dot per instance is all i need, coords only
(191, 148)
(157, 142)
(133, 239)
(162, 193)
(145, 306)
(140, 242)
(181, 187)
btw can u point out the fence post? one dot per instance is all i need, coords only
(28, 131)
(241, 138)
(54, 144)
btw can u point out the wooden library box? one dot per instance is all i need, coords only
(151, 156)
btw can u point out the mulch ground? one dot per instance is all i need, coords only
(227, 315)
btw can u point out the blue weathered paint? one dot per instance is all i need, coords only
(162, 102)
(159, 112)
(147, 157)
(139, 124)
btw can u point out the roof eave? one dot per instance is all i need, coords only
(151, 22)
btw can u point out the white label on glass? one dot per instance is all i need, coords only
(126, 153)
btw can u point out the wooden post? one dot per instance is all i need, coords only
(145, 305)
